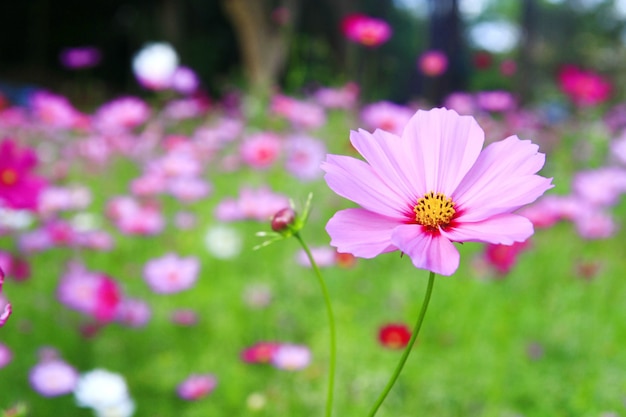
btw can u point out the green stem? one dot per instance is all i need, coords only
(407, 350)
(331, 324)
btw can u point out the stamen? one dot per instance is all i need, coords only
(434, 210)
(8, 176)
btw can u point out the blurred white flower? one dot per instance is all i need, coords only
(223, 242)
(15, 219)
(105, 392)
(155, 64)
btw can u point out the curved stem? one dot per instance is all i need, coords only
(331, 326)
(407, 350)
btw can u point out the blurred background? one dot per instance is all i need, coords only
(518, 45)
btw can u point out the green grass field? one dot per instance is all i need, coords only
(539, 342)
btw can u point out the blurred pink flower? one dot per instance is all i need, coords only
(133, 313)
(185, 80)
(19, 186)
(301, 114)
(55, 111)
(495, 101)
(121, 114)
(433, 63)
(601, 186)
(171, 273)
(5, 307)
(256, 204)
(304, 156)
(338, 98)
(291, 357)
(431, 187)
(188, 189)
(387, 116)
(53, 377)
(80, 57)
(366, 30)
(461, 102)
(91, 293)
(324, 256)
(502, 258)
(6, 356)
(260, 352)
(196, 386)
(584, 88)
(132, 217)
(184, 317)
(261, 150)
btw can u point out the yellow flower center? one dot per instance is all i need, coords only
(8, 176)
(434, 210)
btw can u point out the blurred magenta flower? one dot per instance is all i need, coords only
(584, 88)
(260, 352)
(171, 273)
(496, 101)
(19, 186)
(433, 63)
(185, 80)
(55, 111)
(80, 57)
(502, 258)
(430, 187)
(196, 386)
(366, 30)
(394, 335)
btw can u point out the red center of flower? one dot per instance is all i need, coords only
(8, 176)
(434, 210)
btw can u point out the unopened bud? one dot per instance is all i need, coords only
(283, 219)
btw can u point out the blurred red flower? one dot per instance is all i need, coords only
(394, 336)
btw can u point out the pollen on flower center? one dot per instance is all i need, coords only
(8, 176)
(434, 210)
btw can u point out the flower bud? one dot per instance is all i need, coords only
(283, 219)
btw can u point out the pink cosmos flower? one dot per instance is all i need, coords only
(91, 293)
(53, 377)
(365, 30)
(133, 313)
(430, 187)
(54, 110)
(584, 88)
(121, 114)
(19, 188)
(338, 98)
(433, 63)
(261, 352)
(184, 80)
(304, 156)
(387, 116)
(261, 150)
(171, 273)
(6, 307)
(196, 386)
(301, 114)
(502, 258)
(495, 101)
(291, 357)
(6, 356)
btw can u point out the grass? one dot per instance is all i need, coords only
(540, 342)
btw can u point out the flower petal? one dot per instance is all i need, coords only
(443, 146)
(355, 180)
(501, 180)
(385, 154)
(504, 229)
(361, 232)
(433, 252)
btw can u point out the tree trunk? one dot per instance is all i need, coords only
(263, 43)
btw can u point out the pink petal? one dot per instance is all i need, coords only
(361, 232)
(355, 180)
(444, 146)
(384, 153)
(433, 252)
(504, 229)
(501, 180)
(5, 314)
